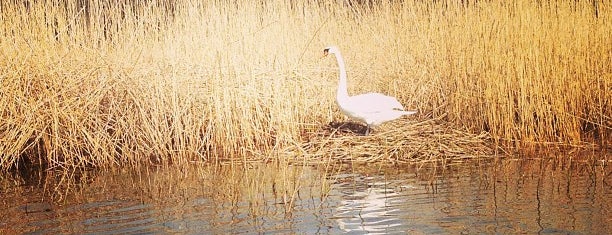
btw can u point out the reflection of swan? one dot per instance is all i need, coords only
(368, 211)
(372, 108)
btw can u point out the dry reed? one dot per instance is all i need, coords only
(96, 83)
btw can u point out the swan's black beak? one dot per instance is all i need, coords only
(325, 52)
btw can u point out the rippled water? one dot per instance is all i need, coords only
(496, 196)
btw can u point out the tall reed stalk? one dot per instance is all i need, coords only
(101, 83)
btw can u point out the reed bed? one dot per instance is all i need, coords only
(100, 84)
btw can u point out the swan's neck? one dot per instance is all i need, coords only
(342, 93)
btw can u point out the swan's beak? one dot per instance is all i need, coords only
(325, 53)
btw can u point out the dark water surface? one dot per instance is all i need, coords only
(480, 197)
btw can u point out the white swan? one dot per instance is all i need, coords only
(372, 108)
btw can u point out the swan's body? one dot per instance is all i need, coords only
(372, 108)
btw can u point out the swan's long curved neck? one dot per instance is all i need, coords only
(342, 93)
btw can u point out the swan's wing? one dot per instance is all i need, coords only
(373, 108)
(375, 102)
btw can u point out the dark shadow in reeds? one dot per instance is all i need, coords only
(346, 128)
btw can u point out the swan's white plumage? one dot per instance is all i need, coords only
(371, 108)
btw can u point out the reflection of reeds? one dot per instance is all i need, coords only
(94, 83)
(214, 195)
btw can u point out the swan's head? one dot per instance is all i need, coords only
(330, 50)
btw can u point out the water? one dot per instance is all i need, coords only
(485, 197)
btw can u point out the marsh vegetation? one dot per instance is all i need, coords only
(103, 84)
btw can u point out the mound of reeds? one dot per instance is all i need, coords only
(402, 141)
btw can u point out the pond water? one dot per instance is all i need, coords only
(501, 196)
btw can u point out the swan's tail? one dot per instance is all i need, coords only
(409, 112)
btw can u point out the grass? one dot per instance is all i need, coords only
(99, 84)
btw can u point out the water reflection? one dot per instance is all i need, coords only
(497, 196)
(368, 208)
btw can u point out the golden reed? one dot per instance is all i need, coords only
(101, 83)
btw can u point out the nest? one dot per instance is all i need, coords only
(400, 141)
